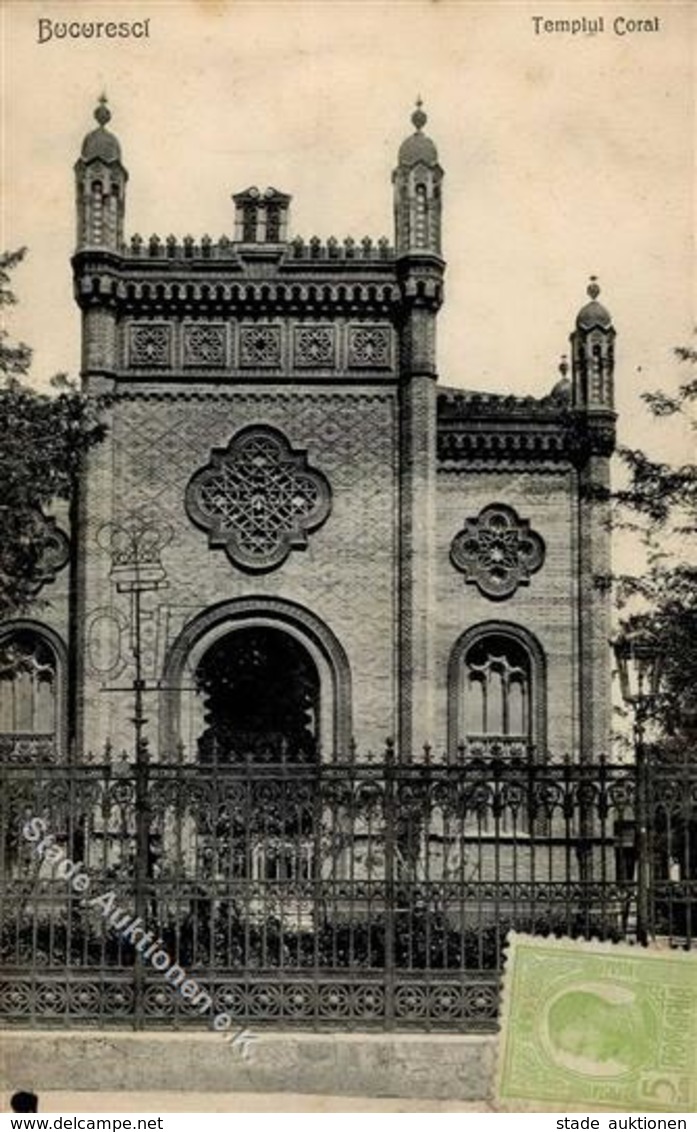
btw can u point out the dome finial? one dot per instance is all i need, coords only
(418, 118)
(593, 290)
(102, 113)
(418, 147)
(100, 142)
(563, 365)
(593, 314)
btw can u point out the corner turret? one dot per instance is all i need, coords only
(417, 192)
(100, 187)
(593, 354)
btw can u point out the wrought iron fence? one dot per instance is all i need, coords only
(670, 820)
(346, 895)
(18, 747)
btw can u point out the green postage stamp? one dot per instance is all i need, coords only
(598, 1025)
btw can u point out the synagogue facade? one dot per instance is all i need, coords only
(298, 539)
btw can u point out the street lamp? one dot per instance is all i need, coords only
(639, 657)
(135, 545)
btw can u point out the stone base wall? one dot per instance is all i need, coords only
(446, 1066)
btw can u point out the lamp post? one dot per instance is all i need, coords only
(135, 545)
(639, 658)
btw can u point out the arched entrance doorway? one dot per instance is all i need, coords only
(257, 742)
(302, 643)
(260, 693)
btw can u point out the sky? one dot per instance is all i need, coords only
(565, 155)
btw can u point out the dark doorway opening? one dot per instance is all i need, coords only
(261, 694)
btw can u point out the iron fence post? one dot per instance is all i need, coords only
(642, 834)
(390, 886)
(142, 814)
(135, 544)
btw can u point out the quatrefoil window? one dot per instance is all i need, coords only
(497, 551)
(258, 498)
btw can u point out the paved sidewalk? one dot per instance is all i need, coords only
(238, 1102)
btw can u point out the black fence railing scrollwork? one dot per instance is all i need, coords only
(346, 895)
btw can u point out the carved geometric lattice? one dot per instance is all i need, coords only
(150, 345)
(54, 553)
(369, 346)
(204, 345)
(497, 551)
(260, 346)
(314, 346)
(258, 498)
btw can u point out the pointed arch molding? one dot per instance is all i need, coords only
(218, 620)
(538, 671)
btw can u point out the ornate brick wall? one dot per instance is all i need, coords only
(398, 517)
(545, 603)
(345, 575)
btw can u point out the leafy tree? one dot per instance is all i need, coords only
(660, 503)
(44, 437)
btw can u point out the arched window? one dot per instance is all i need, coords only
(97, 212)
(29, 694)
(249, 222)
(496, 690)
(420, 225)
(273, 223)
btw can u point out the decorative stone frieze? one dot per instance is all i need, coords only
(150, 345)
(369, 347)
(314, 347)
(204, 344)
(260, 347)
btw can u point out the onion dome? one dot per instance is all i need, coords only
(101, 144)
(418, 148)
(561, 391)
(594, 314)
